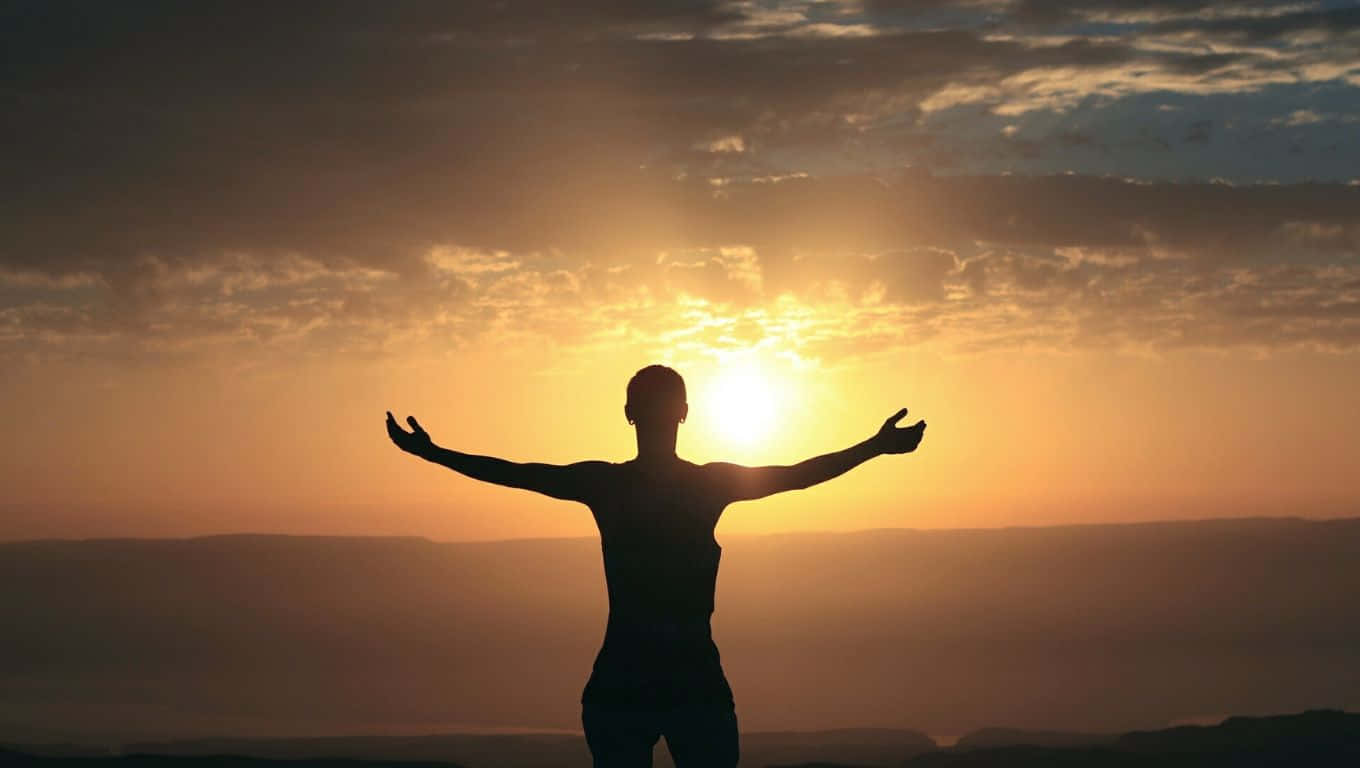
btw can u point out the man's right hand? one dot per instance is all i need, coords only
(894, 439)
(417, 441)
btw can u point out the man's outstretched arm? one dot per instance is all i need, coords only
(570, 481)
(743, 483)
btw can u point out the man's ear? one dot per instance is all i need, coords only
(628, 412)
(684, 411)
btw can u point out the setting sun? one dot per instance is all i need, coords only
(742, 404)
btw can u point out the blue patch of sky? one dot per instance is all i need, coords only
(1240, 137)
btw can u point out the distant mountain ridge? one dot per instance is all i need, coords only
(276, 636)
(991, 738)
(1314, 739)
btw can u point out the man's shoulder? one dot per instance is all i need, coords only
(708, 468)
(593, 466)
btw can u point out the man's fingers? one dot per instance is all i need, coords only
(414, 424)
(896, 417)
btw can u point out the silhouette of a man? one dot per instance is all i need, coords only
(657, 672)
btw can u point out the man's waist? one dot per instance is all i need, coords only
(662, 625)
(633, 656)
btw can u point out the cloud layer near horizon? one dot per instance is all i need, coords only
(828, 176)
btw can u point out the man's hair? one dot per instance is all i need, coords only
(655, 387)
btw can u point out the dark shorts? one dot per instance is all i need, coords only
(659, 679)
(697, 737)
(626, 707)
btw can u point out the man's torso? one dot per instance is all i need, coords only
(661, 565)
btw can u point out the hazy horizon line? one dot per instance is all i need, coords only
(1355, 516)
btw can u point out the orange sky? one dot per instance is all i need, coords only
(1016, 438)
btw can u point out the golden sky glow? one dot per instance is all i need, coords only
(1016, 438)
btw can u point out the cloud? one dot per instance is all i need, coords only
(970, 262)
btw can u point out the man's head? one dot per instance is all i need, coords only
(656, 396)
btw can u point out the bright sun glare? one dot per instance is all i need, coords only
(742, 404)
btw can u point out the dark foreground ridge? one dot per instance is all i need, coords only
(8, 758)
(1314, 738)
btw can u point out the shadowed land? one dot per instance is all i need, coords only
(1097, 629)
(1317, 738)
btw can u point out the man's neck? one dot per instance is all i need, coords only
(656, 446)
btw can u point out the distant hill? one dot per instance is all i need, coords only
(1102, 628)
(991, 738)
(1315, 739)
(1317, 732)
